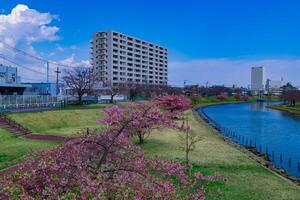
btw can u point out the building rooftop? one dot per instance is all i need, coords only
(134, 38)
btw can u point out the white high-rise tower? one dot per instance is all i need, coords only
(257, 79)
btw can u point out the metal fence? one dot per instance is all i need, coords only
(21, 103)
(279, 159)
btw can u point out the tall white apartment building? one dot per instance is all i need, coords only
(119, 58)
(257, 79)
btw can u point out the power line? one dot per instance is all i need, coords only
(36, 57)
(27, 68)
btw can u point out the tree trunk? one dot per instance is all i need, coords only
(186, 149)
(80, 99)
(141, 138)
(111, 99)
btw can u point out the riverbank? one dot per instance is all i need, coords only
(246, 179)
(250, 151)
(286, 108)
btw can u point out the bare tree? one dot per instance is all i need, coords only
(291, 96)
(81, 81)
(115, 89)
(187, 141)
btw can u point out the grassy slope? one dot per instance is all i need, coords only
(291, 109)
(212, 99)
(60, 122)
(246, 179)
(13, 147)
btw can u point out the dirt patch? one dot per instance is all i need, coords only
(56, 138)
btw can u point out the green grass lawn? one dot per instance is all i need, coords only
(13, 148)
(61, 122)
(292, 109)
(213, 99)
(246, 178)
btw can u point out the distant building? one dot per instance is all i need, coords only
(274, 86)
(10, 81)
(257, 80)
(41, 89)
(119, 58)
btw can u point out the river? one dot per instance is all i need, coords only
(253, 124)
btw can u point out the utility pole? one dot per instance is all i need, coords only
(47, 65)
(184, 84)
(57, 73)
(3, 58)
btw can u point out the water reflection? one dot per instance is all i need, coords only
(257, 106)
(275, 131)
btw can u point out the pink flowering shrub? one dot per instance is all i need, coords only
(106, 165)
(220, 97)
(175, 104)
(237, 96)
(245, 98)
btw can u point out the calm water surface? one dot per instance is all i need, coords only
(273, 130)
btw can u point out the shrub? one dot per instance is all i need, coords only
(245, 98)
(175, 104)
(195, 100)
(237, 97)
(220, 97)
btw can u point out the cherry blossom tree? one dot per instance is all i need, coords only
(104, 165)
(175, 104)
(148, 117)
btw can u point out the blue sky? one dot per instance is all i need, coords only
(213, 40)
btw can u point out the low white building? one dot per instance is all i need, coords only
(274, 86)
(10, 81)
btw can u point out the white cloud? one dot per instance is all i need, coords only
(74, 47)
(71, 61)
(21, 28)
(52, 53)
(60, 48)
(228, 72)
(25, 25)
(63, 49)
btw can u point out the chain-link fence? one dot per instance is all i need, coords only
(21, 103)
